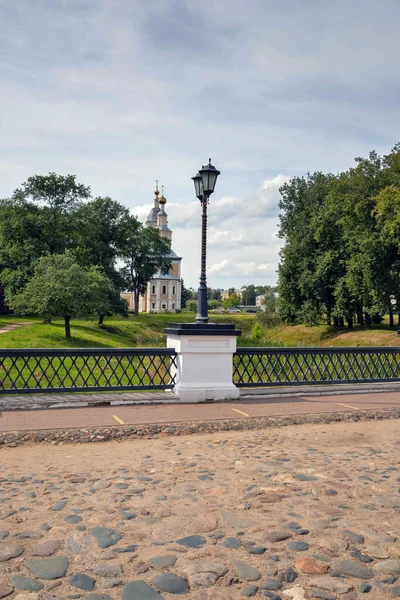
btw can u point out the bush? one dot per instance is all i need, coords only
(269, 319)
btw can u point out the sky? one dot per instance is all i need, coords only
(124, 92)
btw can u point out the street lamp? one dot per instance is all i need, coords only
(204, 184)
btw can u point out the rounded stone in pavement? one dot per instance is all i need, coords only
(82, 582)
(354, 537)
(388, 567)
(395, 591)
(298, 546)
(98, 597)
(139, 590)
(7, 552)
(246, 572)
(26, 583)
(192, 541)
(171, 583)
(105, 536)
(163, 561)
(253, 549)
(101, 485)
(271, 584)
(5, 590)
(272, 596)
(73, 519)
(277, 536)
(46, 548)
(204, 573)
(353, 568)
(311, 567)
(48, 568)
(60, 505)
(250, 590)
(232, 543)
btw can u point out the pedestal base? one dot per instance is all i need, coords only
(204, 361)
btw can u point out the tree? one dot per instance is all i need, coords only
(100, 235)
(341, 255)
(232, 300)
(186, 295)
(249, 295)
(60, 287)
(144, 253)
(192, 306)
(58, 196)
(213, 304)
(38, 219)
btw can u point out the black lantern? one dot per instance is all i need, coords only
(198, 186)
(209, 175)
(204, 184)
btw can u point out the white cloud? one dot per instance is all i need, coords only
(242, 241)
(122, 93)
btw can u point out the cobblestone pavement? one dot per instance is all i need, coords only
(310, 511)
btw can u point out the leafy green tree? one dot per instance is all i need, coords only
(144, 253)
(59, 196)
(215, 294)
(192, 306)
(213, 304)
(186, 295)
(37, 220)
(341, 252)
(232, 300)
(60, 287)
(100, 235)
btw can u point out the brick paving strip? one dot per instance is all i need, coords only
(84, 434)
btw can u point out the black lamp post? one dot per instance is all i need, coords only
(204, 184)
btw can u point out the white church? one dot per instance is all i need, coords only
(163, 292)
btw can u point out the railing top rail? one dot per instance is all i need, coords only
(87, 352)
(319, 350)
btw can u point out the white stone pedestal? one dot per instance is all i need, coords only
(204, 361)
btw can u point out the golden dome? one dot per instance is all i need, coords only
(162, 200)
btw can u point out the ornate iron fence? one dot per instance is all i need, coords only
(84, 370)
(296, 366)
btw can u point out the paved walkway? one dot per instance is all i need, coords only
(105, 416)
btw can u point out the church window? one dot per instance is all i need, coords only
(173, 306)
(173, 289)
(163, 306)
(153, 289)
(164, 289)
(153, 305)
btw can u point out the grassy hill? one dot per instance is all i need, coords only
(147, 331)
(142, 331)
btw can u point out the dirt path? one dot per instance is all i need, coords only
(12, 326)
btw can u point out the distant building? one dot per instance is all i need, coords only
(164, 290)
(240, 293)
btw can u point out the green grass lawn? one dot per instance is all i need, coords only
(143, 331)
(146, 330)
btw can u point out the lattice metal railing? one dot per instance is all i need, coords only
(296, 366)
(83, 370)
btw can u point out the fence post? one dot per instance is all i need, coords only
(204, 357)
